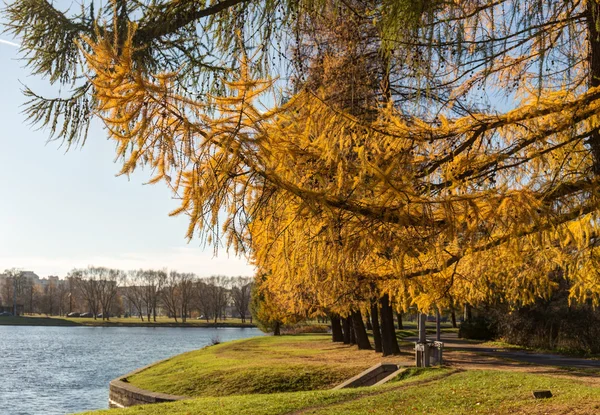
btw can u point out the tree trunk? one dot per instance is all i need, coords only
(438, 329)
(388, 330)
(346, 326)
(422, 317)
(375, 324)
(352, 333)
(593, 14)
(386, 343)
(453, 316)
(362, 339)
(277, 329)
(468, 314)
(337, 336)
(399, 318)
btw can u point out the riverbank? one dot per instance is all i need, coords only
(294, 375)
(118, 322)
(433, 392)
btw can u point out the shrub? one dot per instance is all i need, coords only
(214, 340)
(304, 328)
(478, 328)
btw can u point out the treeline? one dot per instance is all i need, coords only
(180, 294)
(105, 292)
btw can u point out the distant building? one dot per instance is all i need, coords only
(44, 282)
(30, 275)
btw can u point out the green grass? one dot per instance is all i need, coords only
(479, 392)
(258, 365)
(115, 321)
(262, 365)
(432, 392)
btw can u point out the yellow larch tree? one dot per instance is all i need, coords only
(463, 167)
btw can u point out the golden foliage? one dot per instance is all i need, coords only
(335, 209)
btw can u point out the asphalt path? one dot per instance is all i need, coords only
(453, 343)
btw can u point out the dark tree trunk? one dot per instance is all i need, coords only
(386, 344)
(352, 333)
(337, 335)
(362, 339)
(388, 330)
(593, 14)
(399, 318)
(468, 314)
(438, 327)
(277, 329)
(453, 317)
(346, 326)
(375, 323)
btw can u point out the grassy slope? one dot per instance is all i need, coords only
(433, 392)
(259, 365)
(160, 321)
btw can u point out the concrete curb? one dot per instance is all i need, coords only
(391, 376)
(370, 376)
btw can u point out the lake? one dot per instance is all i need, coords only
(59, 370)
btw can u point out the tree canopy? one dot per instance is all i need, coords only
(432, 151)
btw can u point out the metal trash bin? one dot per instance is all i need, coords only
(437, 349)
(428, 353)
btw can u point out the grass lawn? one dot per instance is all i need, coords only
(432, 391)
(115, 321)
(258, 365)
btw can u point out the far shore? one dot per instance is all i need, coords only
(118, 322)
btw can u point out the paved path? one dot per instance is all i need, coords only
(453, 343)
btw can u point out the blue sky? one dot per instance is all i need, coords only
(63, 210)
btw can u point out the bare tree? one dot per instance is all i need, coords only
(241, 291)
(108, 281)
(170, 294)
(202, 300)
(153, 282)
(62, 295)
(88, 289)
(13, 287)
(185, 291)
(49, 298)
(134, 291)
(217, 291)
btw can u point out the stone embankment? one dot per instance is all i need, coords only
(121, 394)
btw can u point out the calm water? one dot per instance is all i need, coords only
(58, 370)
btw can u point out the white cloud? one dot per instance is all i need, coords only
(7, 42)
(181, 259)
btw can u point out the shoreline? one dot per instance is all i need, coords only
(60, 322)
